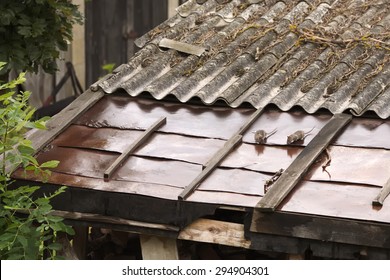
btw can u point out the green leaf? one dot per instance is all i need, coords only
(23, 149)
(50, 164)
(22, 240)
(109, 67)
(69, 230)
(6, 95)
(55, 219)
(55, 246)
(16, 257)
(5, 237)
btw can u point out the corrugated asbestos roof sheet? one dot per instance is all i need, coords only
(312, 54)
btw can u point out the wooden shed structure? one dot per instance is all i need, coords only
(164, 146)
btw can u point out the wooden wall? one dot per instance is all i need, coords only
(111, 28)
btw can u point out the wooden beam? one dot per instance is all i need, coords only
(158, 248)
(217, 232)
(138, 142)
(80, 240)
(380, 198)
(201, 230)
(327, 229)
(216, 159)
(109, 220)
(293, 174)
(59, 122)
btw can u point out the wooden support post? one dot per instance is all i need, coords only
(80, 240)
(138, 142)
(293, 174)
(380, 198)
(158, 248)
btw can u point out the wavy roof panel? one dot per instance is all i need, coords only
(315, 54)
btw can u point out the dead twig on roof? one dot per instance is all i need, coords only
(268, 183)
(327, 163)
(330, 40)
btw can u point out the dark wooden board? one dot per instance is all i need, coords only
(323, 249)
(293, 174)
(115, 223)
(128, 206)
(322, 228)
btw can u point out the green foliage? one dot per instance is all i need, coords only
(34, 31)
(27, 229)
(109, 67)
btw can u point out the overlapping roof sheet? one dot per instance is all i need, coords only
(192, 136)
(315, 54)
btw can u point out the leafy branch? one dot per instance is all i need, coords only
(27, 228)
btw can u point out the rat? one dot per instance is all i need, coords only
(261, 136)
(298, 136)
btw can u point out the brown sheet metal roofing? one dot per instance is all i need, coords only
(177, 152)
(315, 54)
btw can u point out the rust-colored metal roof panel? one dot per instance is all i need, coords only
(167, 162)
(117, 112)
(337, 200)
(300, 53)
(161, 145)
(354, 165)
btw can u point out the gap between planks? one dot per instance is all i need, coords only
(201, 230)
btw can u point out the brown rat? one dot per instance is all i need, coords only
(298, 136)
(261, 135)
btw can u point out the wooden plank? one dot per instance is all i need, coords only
(138, 142)
(319, 248)
(293, 174)
(109, 220)
(216, 159)
(80, 240)
(158, 248)
(59, 122)
(380, 198)
(322, 228)
(216, 232)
